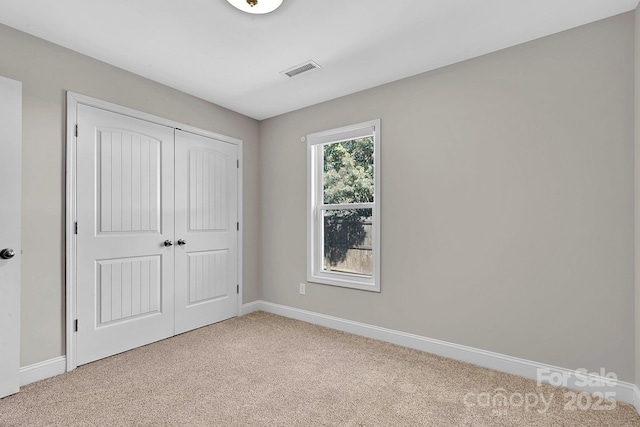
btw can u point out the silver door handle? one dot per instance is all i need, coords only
(7, 253)
(181, 242)
(168, 243)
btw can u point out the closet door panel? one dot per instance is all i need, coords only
(125, 213)
(206, 220)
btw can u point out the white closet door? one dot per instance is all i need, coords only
(10, 195)
(125, 213)
(206, 218)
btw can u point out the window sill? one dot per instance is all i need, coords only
(345, 280)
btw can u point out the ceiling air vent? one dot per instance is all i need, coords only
(302, 68)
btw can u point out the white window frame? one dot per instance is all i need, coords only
(315, 207)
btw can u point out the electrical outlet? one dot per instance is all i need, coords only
(302, 288)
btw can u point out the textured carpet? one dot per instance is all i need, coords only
(266, 370)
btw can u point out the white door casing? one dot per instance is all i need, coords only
(213, 246)
(206, 215)
(10, 208)
(124, 213)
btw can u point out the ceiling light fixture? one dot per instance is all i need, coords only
(258, 7)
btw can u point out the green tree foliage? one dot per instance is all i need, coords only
(348, 171)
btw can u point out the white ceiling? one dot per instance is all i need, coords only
(213, 51)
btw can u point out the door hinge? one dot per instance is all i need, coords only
(238, 163)
(238, 226)
(76, 130)
(237, 289)
(76, 228)
(76, 325)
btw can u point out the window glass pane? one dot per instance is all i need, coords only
(348, 171)
(348, 241)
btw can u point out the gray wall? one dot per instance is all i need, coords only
(637, 211)
(47, 71)
(507, 202)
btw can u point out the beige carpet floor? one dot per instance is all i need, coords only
(266, 370)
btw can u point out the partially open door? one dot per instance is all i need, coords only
(10, 201)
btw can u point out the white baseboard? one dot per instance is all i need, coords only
(43, 370)
(250, 307)
(575, 380)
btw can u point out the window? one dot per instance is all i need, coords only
(343, 224)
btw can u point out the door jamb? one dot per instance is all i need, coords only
(73, 100)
